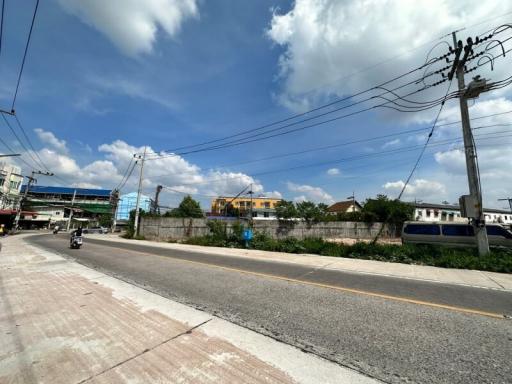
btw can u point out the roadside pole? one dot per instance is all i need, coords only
(31, 180)
(250, 219)
(471, 158)
(115, 202)
(139, 191)
(71, 211)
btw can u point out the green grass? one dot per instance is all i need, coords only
(500, 260)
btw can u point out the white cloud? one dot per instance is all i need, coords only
(49, 138)
(419, 188)
(300, 199)
(311, 193)
(132, 25)
(333, 171)
(174, 172)
(493, 138)
(325, 41)
(392, 143)
(274, 194)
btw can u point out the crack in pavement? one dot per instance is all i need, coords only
(187, 332)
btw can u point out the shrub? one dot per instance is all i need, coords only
(500, 260)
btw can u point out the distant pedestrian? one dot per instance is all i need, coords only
(2, 229)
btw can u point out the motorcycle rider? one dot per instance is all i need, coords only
(76, 232)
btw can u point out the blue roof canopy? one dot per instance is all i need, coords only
(67, 191)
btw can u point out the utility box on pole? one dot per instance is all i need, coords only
(468, 206)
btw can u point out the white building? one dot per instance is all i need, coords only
(10, 185)
(447, 212)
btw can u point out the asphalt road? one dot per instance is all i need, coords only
(384, 337)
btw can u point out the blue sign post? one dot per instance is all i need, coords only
(247, 236)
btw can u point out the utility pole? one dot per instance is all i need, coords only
(71, 211)
(250, 211)
(114, 199)
(139, 191)
(156, 204)
(509, 199)
(478, 218)
(31, 179)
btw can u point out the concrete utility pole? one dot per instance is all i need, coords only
(115, 201)
(31, 179)
(478, 220)
(250, 211)
(139, 191)
(71, 211)
(509, 199)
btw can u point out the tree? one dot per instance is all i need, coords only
(187, 208)
(387, 211)
(105, 220)
(285, 210)
(231, 211)
(309, 212)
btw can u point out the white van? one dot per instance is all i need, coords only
(452, 234)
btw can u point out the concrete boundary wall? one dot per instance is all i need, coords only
(169, 228)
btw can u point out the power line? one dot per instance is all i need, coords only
(30, 143)
(257, 137)
(426, 144)
(128, 177)
(2, 25)
(10, 150)
(337, 161)
(21, 143)
(393, 166)
(25, 55)
(125, 173)
(241, 133)
(246, 132)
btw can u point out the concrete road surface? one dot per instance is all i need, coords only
(396, 330)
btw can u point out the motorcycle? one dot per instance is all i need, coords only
(76, 242)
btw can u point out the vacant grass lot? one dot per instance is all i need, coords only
(500, 260)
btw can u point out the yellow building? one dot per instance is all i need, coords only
(261, 206)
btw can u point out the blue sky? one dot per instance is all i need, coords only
(103, 81)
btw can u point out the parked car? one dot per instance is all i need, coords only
(453, 234)
(95, 230)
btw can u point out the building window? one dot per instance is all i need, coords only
(428, 212)
(267, 204)
(2, 181)
(57, 213)
(266, 214)
(436, 213)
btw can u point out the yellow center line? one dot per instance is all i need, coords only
(342, 289)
